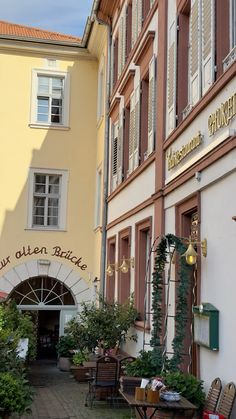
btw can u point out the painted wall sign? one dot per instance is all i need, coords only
(223, 115)
(55, 251)
(175, 157)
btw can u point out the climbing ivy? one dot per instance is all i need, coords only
(164, 252)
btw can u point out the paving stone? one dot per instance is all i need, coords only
(59, 396)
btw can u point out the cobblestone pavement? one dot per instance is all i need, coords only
(59, 396)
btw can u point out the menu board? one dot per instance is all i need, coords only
(202, 329)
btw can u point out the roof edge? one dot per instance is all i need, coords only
(40, 40)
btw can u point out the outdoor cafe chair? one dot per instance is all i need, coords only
(122, 363)
(213, 395)
(226, 401)
(105, 379)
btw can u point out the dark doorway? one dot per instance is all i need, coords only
(48, 333)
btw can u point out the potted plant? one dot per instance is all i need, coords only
(144, 366)
(78, 369)
(188, 385)
(65, 347)
(107, 324)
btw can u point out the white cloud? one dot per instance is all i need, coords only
(66, 16)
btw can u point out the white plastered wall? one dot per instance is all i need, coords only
(217, 186)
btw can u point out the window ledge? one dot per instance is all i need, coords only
(45, 229)
(48, 126)
(97, 229)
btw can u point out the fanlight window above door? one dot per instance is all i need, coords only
(42, 291)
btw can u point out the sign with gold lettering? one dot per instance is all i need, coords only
(175, 157)
(223, 115)
(56, 251)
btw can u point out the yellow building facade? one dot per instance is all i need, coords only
(51, 173)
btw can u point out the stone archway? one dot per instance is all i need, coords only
(51, 292)
(78, 286)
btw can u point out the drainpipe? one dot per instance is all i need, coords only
(86, 35)
(106, 163)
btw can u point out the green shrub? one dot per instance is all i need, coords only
(188, 385)
(146, 365)
(15, 394)
(65, 346)
(18, 325)
(80, 357)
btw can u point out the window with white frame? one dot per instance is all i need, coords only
(201, 48)
(47, 199)
(50, 98)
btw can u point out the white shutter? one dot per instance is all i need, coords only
(112, 67)
(139, 17)
(134, 21)
(114, 138)
(208, 35)
(194, 53)
(124, 40)
(232, 24)
(151, 105)
(120, 47)
(120, 148)
(136, 128)
(131, 131)
(171, 78)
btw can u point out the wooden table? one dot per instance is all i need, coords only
(173, 407)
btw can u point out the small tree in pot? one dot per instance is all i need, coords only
(65, 347)
(107, 324)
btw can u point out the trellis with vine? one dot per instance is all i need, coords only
(164, 254)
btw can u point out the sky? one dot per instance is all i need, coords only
(65, 16)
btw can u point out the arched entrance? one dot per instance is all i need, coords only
(51, 304)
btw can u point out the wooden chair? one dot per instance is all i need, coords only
(122, 363)
(105, 379)
(227, 398)
(213, 395)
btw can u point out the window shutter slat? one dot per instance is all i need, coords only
(114, 136)
(131, 131)
(134, 21)
(151, 105)
(139, 17)
(124, 42)
(207, 44)
(120, 148)
(112, 68)
(194, 53)
(136, 127)
(120, 47)
(171, 78)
